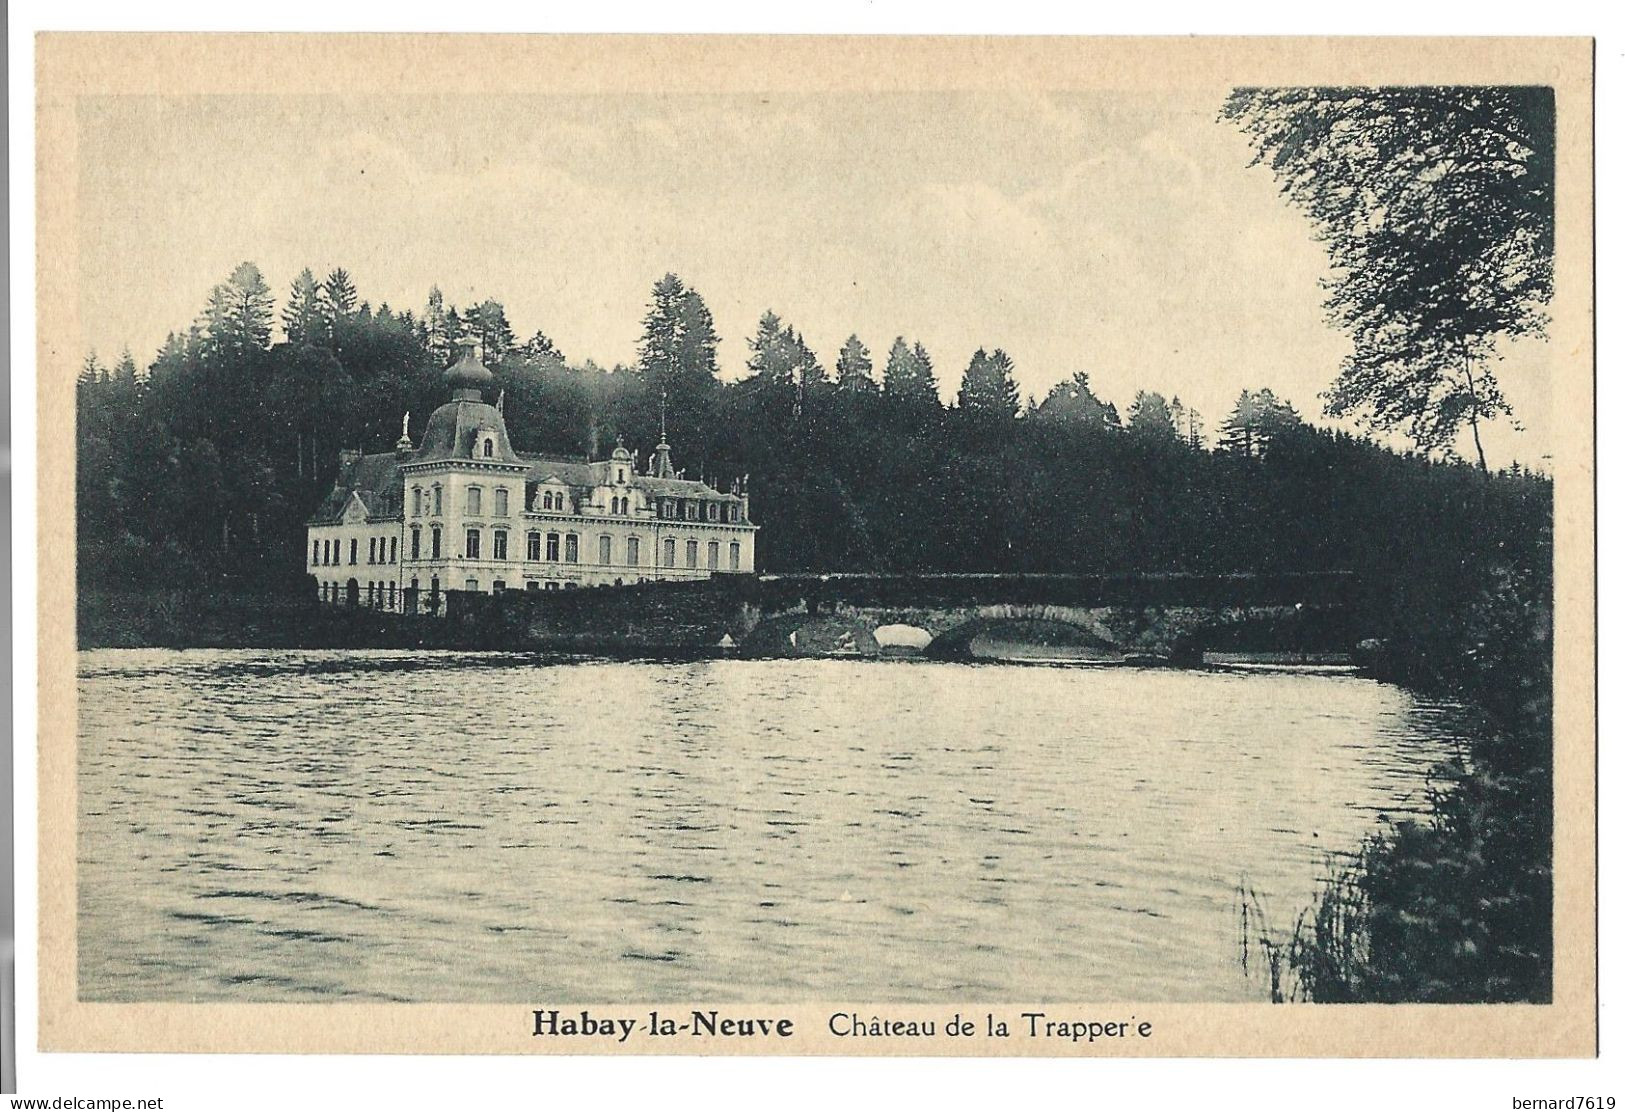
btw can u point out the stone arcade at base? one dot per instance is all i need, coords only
(463, 511)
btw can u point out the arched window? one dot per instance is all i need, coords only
(372, 550)
(490, 448)
(355, 544)
(315, 552)
(417, 501)
(437, 499)
(394, 549)
(547, 499)
(474, 501)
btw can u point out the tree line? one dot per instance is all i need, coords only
(200, 468)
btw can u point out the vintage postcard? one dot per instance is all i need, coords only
(859, 546)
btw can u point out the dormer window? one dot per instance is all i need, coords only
(488, 447)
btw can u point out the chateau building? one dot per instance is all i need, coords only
(463, 511)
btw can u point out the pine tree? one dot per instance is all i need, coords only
(1149, 417)
(439, 329)
(238, 318)
(302, 318)
(854, 369)
(989, 386)
(908, 379)
(338, 297)
(1257, 418)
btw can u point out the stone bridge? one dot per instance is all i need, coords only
(1163, 617)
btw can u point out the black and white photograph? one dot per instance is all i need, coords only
(902, 550)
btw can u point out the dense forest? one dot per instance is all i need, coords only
(200, 468)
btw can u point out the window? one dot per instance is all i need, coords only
(417, 541)
(394, 549)
(670, 554)
(417, 501)
(437, 499)
(473, 501)
(632, 551)
(471, 549)
(434, 542)
(372, 550)
(553, 547)
(434, 586)
(605, 544)
(552, 586)
(392, 594)
(691, 554)
(502, 501)
(733, 556)
(533, 546)
(490, 447)
(711, 551)
(733, 513)
(499, 545)
(547, 499)
(691, 511)
(315, 552)
(498, 587)
(354, 545)
(620, 474)
(572, 548)
(710, 511)
(530, 585)
(471, 584)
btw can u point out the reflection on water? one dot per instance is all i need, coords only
(451, 827)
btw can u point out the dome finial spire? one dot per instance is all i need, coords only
(468, 376)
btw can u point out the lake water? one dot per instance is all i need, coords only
(314, 826)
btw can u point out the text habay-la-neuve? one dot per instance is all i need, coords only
(586, 1025)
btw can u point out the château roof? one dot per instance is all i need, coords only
(453, 428)
(376, 479)
(453, 433)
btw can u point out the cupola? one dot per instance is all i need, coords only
(468, 376)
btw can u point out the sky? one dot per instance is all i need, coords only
(1123, 235)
